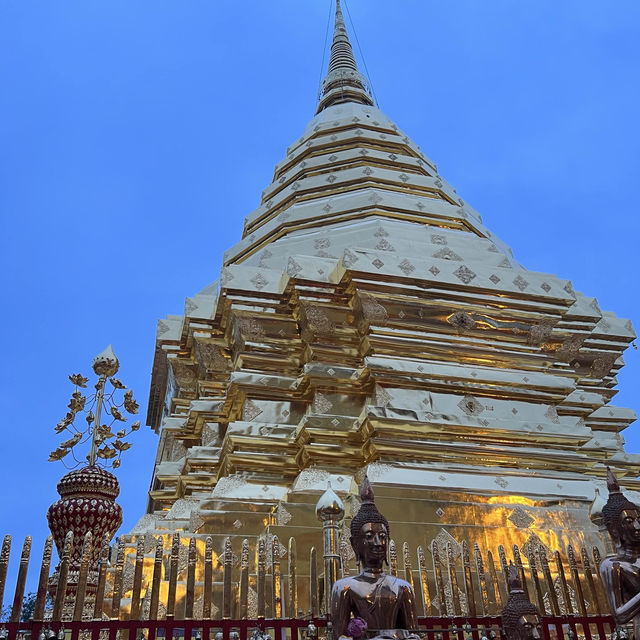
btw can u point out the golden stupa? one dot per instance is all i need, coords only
(368, 321)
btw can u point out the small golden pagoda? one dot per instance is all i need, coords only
(368, 321)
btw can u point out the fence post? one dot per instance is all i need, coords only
(63, 574)
(41, 595)
(482, 580)
(261, 566)
(293, 584)
(468, 580)
(137, 579)
(16, 609)
(81, 588)
(4, 563)
(226, 578)
(330, 510)
(102, 578)
(208, 578)
(244, 580)
(173, 576)
(276, 579)
(191, 579)
(313, 583)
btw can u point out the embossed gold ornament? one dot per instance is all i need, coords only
(106, 447)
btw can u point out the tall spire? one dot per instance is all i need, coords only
(343, 82)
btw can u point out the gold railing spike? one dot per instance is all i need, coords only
(443, 605)
(408, 569)
(575, 578)
(498, 588)
(155, 581)
(207, 577)
(190, 594)
(244, 580)
(227, 566)
(535, 579)
(21, 580)
(63, 575)
(43, 580)
(517, 560)
(445, 597)
(453, 581)
(597, 559)
(292, 603)
(4, 563)
(423, 571)
(137, 579)
(504, 566)
(81, 588)
(551, 590)
(262, 562)
(345, 549)
(103, 563)
(117, 582)
(276, 579)
(468, 580)
(393, 558)
(586, 564)
(173, 576)
(313, 582)
(564, 589)
(482, 579)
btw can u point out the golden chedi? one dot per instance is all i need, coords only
(369, 322)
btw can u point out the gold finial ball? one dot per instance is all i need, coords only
(329, 507)
(106, 363)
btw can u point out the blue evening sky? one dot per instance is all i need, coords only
(136, 135)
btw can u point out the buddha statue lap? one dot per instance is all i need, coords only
(621, 572)
(372, 604)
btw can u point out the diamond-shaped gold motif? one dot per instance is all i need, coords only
(521, 518)
(322, 404)
(464, 273)
(521, 283)
(471, 406)
(384, 245)
(383, 398)
(259, 281)
(250, 411)
(447, 254)
(442, 539)
(406, 267)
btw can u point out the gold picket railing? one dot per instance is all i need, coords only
(178, 577)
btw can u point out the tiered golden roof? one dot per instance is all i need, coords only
(368, 320)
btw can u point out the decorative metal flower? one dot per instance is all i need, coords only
(106, 447)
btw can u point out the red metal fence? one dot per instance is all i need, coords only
(432, 628)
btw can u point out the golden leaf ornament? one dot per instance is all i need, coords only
(79, 380)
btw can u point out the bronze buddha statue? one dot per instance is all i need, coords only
(372, 604)
(521, 619)
(621, 572)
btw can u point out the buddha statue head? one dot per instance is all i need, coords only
(369, 531)
(621, 517)
(521, 619)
